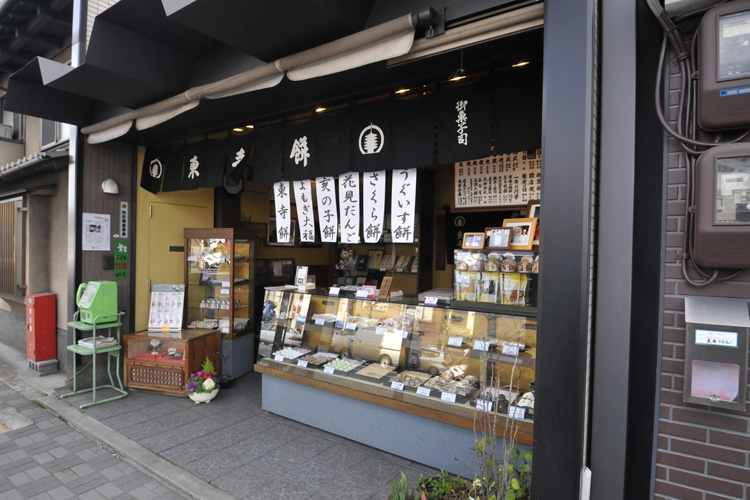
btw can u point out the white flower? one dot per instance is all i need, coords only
(209, 384)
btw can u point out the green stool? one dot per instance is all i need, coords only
(112, 351)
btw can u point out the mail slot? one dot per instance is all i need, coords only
(716, 352)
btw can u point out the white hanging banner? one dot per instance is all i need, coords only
(349, 207)
(403, 204)
(283, 210)
(303, 195)
(328, 220)
(373, 191)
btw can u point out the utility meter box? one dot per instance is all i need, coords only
(716, 352)
(97, 299)
(722, 207)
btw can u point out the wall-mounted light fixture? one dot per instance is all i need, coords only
(460, 73)
(109, 186)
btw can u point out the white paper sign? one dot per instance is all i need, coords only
(349, 207)
(373, 199)
(278, 358)
(380, 330)
(717, 338)
(403, 204)
(362, 294)
(328, 219)
(225, 291)
(448, 397)
(517, 412)
(283, 211)
(455, 341)
(320, 321)
(510, 350)
(397, 386)
(351, 326)
(305, 216)
(96, 232)
(423, 391)
(334, 291)
(302, 363)
(483, 405)
(499, 180)
(405, 333)
(480, 345)
(430, 301)
(328, 370)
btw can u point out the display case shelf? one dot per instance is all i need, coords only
(422, 359)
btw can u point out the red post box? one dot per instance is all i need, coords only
(41, 332)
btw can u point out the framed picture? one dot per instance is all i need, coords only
(497, 238)
(473, 241)
(522, 233)
(374, 258)
(533, 210)
(361, 262)
(271, 240)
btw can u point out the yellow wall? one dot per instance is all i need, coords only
(199, 198)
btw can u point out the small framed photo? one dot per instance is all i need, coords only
(533, 209)
(473, 241)
(522, 233)
(271, 239)
(497, 238)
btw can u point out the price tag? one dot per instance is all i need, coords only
(430, 301)
(448, 397)
(351, 326)
(334, 291)
(362, 294)
(225, 291)
(397, 386)
(278, 358)
(463, 279)
(320, 321)
(400, 270)
(225, 283)
(380, 330)
(405, 333)
(517, 413)
(480, 345)
(382, 269)
(455, 341)
(301, 318)
(423, 391)
(302, 363)
(328, 370)
(510, 350)
(483, 405)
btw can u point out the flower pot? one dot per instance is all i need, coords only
(203, 397)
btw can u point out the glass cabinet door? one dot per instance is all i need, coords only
(210, 300)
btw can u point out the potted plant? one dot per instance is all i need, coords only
(201, 387)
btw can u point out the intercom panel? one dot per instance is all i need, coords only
(724, 67)
(722, 205)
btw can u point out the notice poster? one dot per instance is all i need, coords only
(95, 232)
(303, 196)
(349, 207)
(283, 211)
(328, 220)
(403, 204)
(121, 259)
(502, 180)
(373, 190)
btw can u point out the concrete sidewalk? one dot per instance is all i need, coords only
(229, 448)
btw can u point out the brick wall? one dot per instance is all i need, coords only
(702, 453)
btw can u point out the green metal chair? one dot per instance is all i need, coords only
(112, 351)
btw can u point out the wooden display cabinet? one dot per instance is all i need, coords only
(163, 362)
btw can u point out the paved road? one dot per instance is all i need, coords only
(42, 457)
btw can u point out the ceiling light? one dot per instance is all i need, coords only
(460, 73)
(402, 91)
(250, 126)
(320, 109)
(238, 129)
(524, 63)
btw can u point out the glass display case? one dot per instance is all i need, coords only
(219, 293)
(163, 361)
(504, 277)
(438, 362)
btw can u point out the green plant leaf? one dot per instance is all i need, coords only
(514, 484)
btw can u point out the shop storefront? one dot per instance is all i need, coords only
(477, 332)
